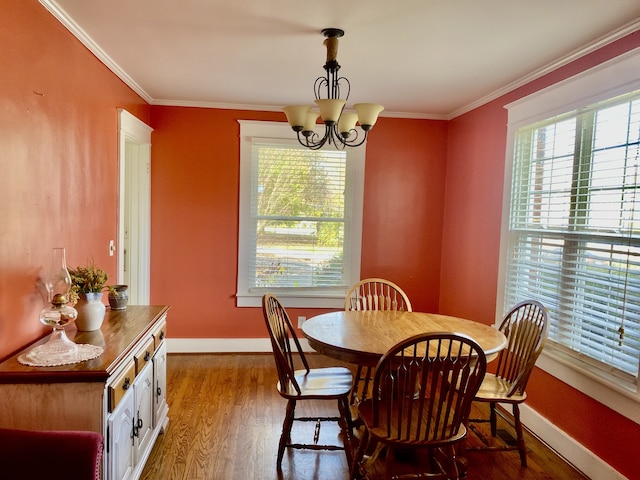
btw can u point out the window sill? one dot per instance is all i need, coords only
(332, 299)
(617, 395)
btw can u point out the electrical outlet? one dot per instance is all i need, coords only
(301, 321)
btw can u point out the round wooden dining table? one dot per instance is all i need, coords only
(363, 336)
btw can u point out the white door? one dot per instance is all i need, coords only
(120, 438)
(160, 375)
(134, 210)
(143, 422)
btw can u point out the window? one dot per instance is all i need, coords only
(300, 219)
(574, 231)
(571, 231)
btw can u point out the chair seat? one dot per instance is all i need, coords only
(329, 382)
(68, 455)
(382, 434)
(495, 389)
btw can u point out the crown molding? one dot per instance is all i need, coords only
(562, 61)
(87, 41)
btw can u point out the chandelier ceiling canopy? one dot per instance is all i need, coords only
(339, 124)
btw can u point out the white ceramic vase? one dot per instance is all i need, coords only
(91, 311)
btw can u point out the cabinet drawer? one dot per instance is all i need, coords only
(159, 334)
(144, 355)
(120, 385)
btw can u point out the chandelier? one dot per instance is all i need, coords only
(339, 125)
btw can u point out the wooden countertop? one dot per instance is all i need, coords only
(119, 333)
(362, 337)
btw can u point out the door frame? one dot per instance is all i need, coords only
(134, 206)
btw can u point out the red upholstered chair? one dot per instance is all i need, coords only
(54, 455)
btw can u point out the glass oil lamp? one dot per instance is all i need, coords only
(58, 349)
(57, 279)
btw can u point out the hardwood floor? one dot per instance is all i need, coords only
(226, 417)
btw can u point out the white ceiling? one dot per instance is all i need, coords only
(418, 58)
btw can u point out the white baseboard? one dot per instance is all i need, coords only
(567, 447)
(224, 345)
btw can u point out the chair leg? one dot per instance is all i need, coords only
(519, 434)
(447, 463)
(361, 382)
(368, 375)
(390, 461)
(346, 426)
(358, 456)
(517, 424)
(493, 418)
(462, 446)
(286, 431)
(355, 399)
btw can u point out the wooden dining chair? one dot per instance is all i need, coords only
(376, 294)
(526, 327)
(424, 389)
(329, 383)
(372, 294)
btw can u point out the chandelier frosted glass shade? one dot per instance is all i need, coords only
(368, 114)
(297, 116)
(347, 123)
(330, 109)
(339, 125)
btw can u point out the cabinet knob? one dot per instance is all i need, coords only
(158, 392)
(162, 335)
(147, 356)
(137, 425)
(126, 383)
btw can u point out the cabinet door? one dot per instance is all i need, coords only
(143, 422)
(160, 378)
(120, 439)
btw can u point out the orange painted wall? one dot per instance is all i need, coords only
(195, 185)
(403, 214)
(58, 151)
(433, 197)
(471, 241)
(472, 209)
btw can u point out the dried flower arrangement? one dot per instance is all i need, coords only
(86, 279)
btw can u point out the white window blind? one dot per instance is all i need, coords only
(574, 231)
(298, 217)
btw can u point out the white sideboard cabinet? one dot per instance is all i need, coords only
(121, 394)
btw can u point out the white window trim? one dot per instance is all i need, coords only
(615, 77)
(295, 298)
